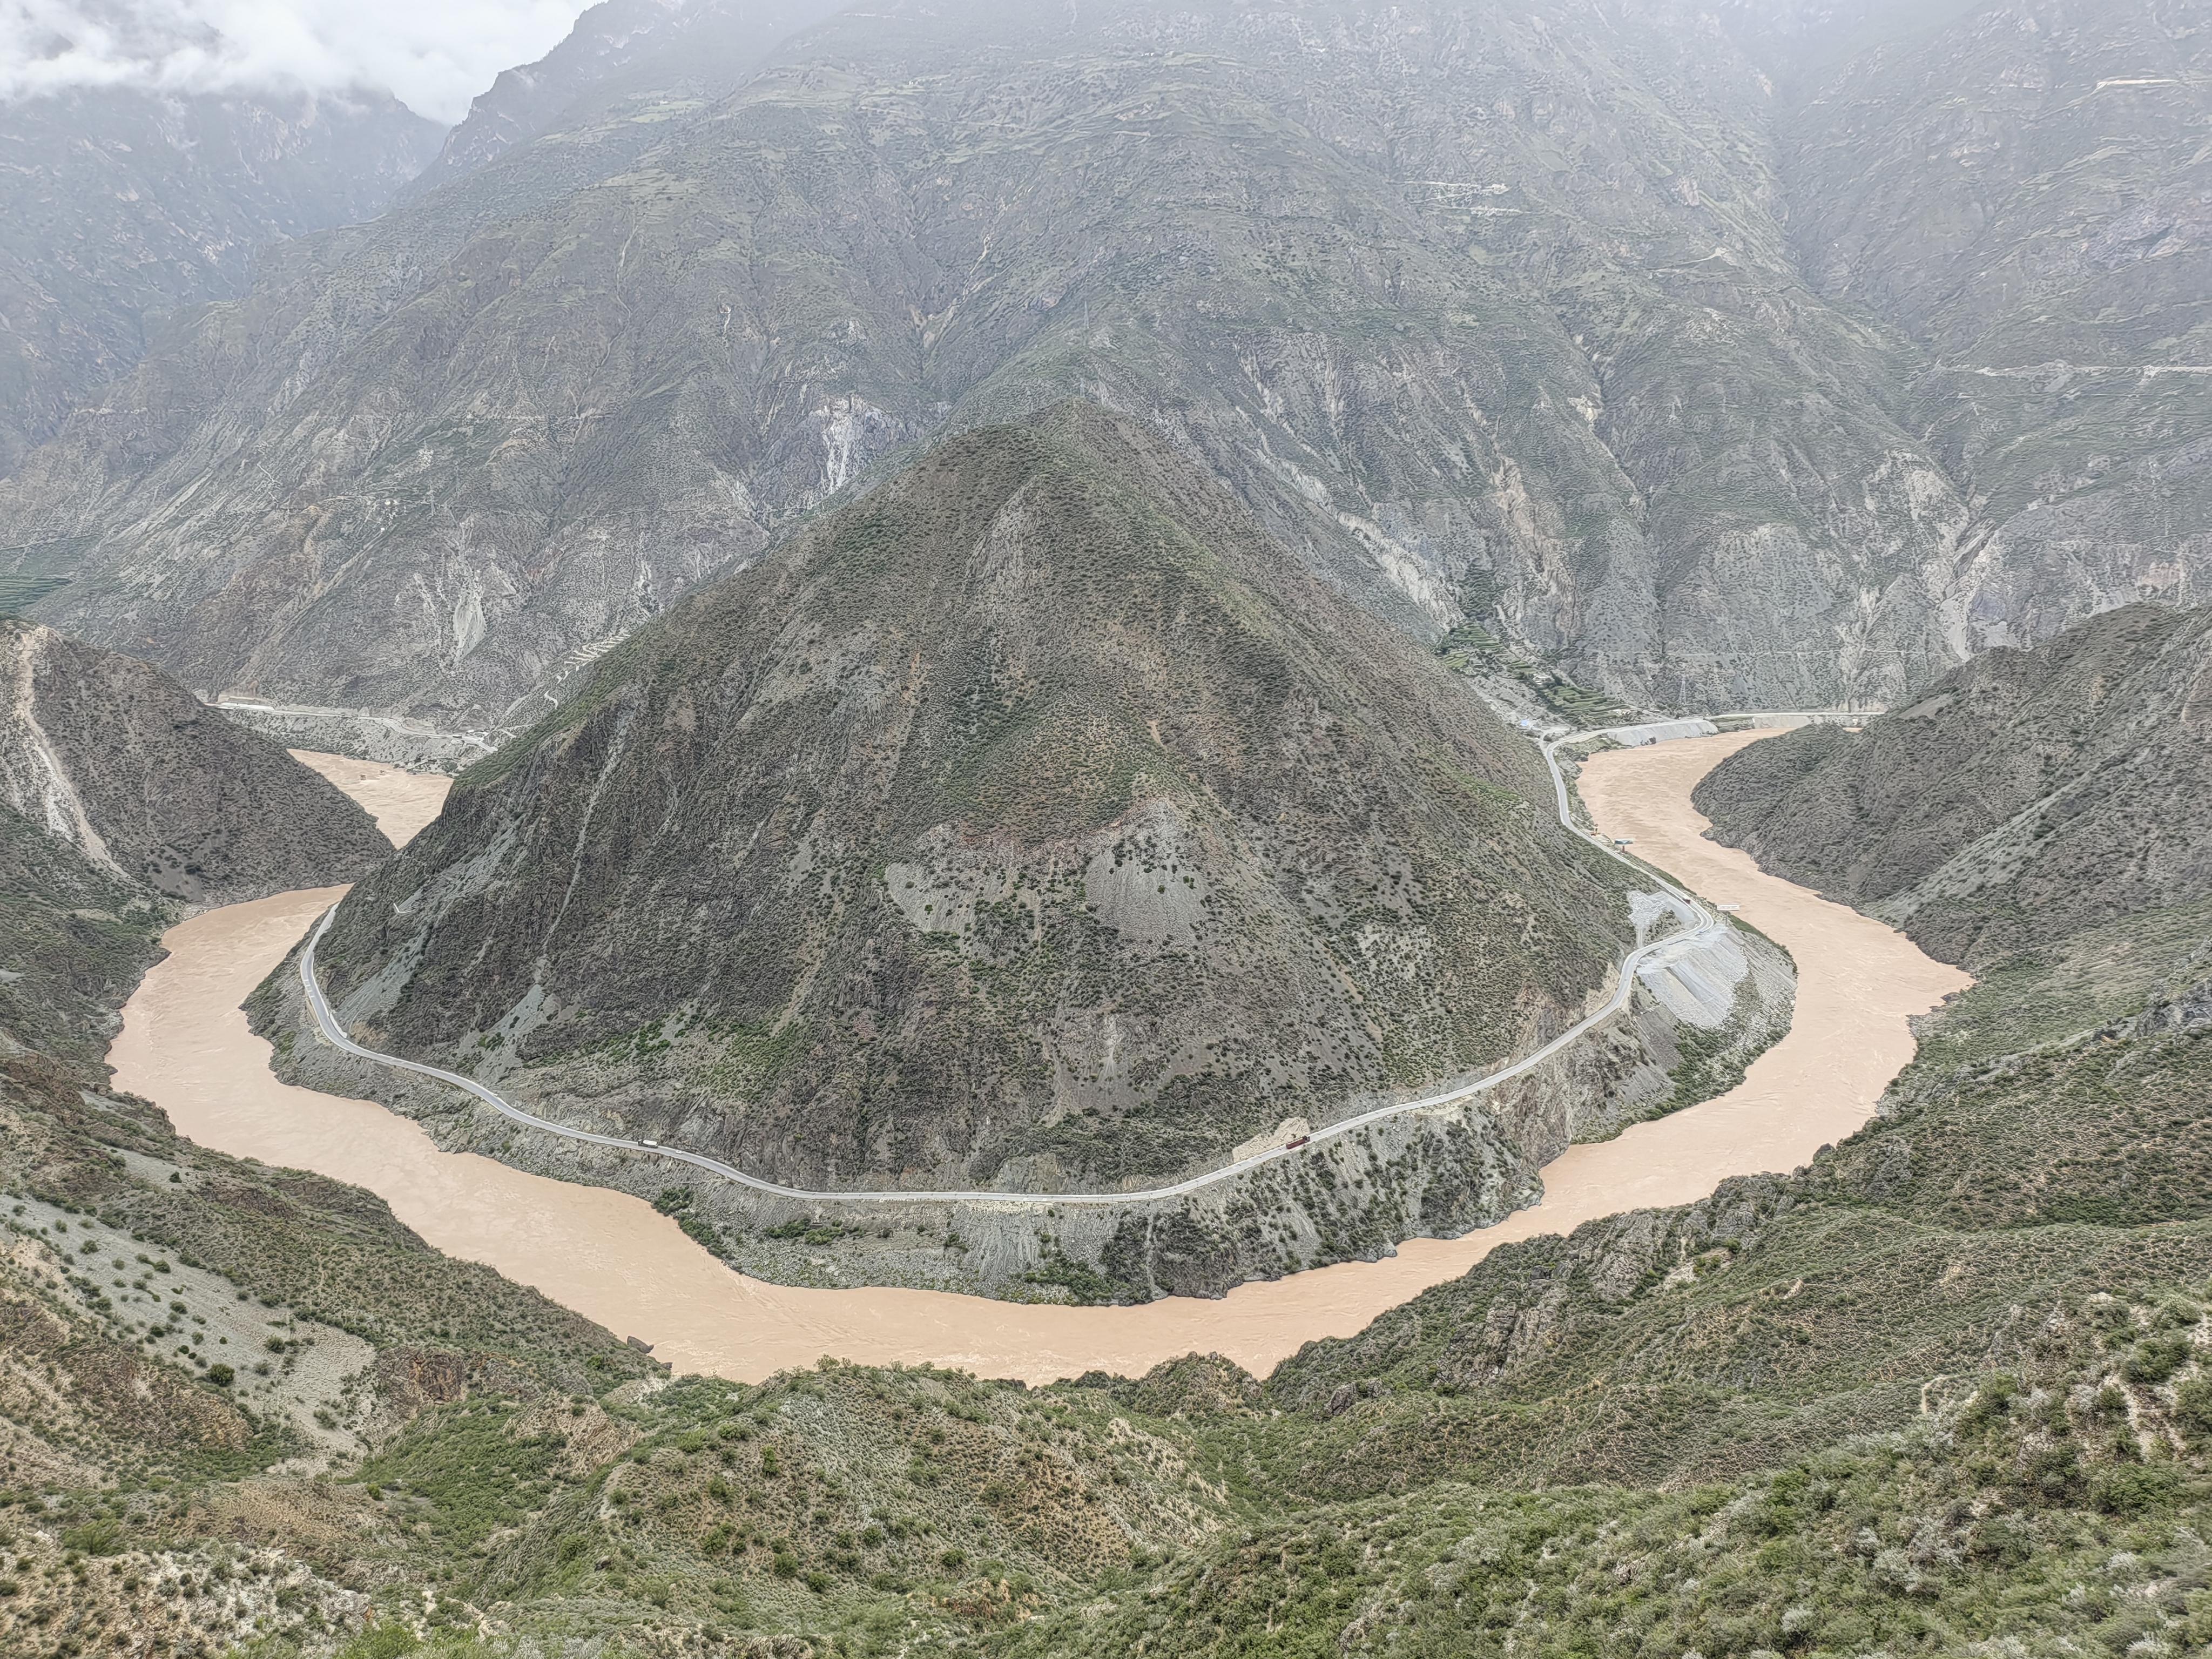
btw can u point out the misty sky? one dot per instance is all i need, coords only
(436, 55)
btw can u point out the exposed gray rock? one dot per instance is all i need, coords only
(1716, 352)
(700, 45)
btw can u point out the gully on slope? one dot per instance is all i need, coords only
(184, 1044)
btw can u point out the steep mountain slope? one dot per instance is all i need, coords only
(117, 206)
(1493, 314)
(1034, 810)
(73, 939)
(2046, 251)
(655, 43)
(1946, 1390)
(120, 799)
(116, 760)
(2024, 798)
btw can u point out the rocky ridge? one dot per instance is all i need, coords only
(110, 755)
(611, 42)
(122, 800)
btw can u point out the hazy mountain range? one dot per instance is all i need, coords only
(1727, 357)
(119, 209)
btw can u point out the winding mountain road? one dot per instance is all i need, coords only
(1708, 926)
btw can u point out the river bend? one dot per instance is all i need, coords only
(611, 1257)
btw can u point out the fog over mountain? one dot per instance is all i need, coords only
(122, 208)
(432, 55)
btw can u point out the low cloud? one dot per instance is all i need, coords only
(433, 55)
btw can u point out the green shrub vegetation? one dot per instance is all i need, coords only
(1176, 827)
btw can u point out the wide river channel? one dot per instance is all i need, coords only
(611, 1257)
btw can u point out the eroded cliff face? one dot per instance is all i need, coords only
(693, 47)
(112, 759)
(1617, 333)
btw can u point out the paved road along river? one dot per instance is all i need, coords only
(185, 1045)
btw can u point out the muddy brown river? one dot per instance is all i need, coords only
(402, 803)
(610, 1256)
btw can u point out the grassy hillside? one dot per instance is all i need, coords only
(1942, 1388)
(1945, 1390)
